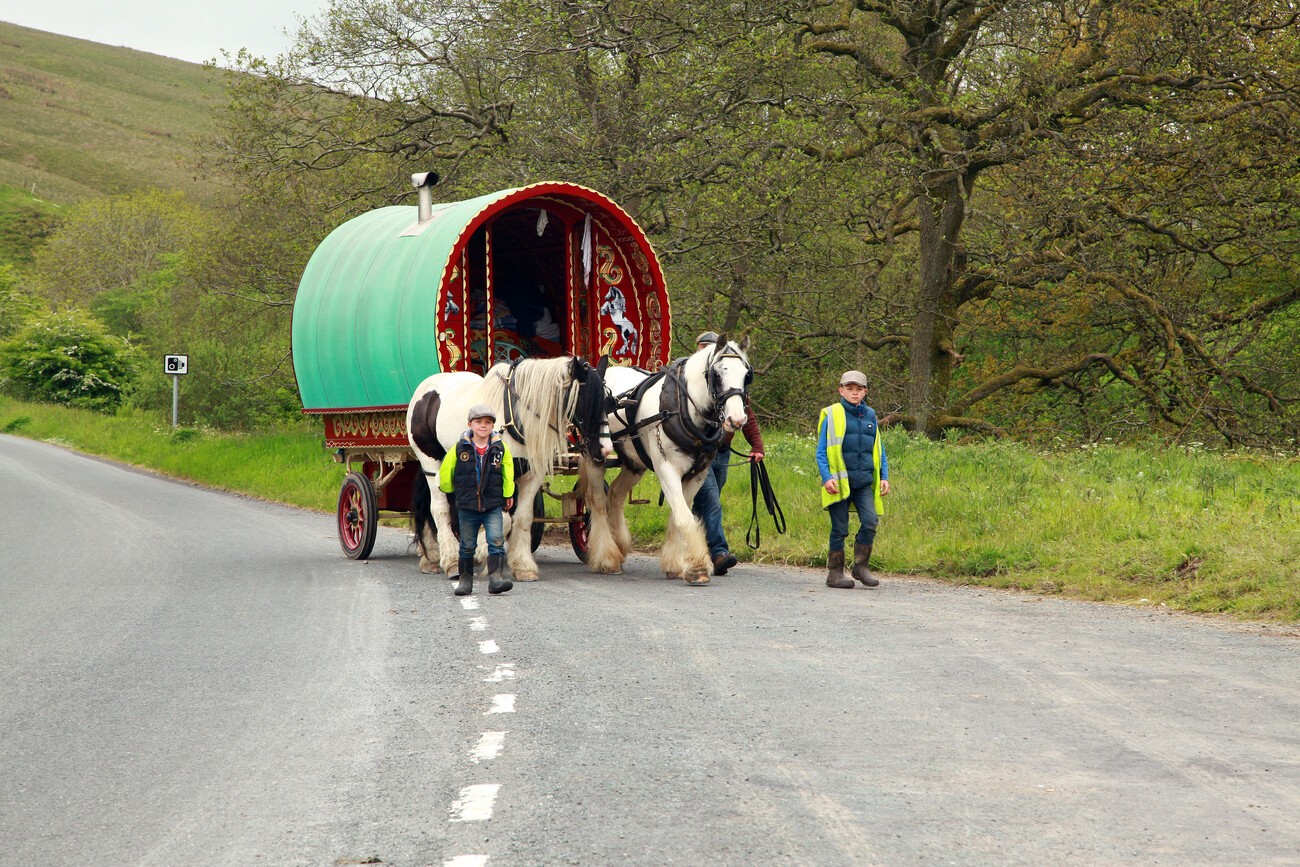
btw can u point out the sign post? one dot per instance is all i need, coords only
(177, 366)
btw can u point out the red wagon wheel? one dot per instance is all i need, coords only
(580, 528)
(358, 516)
(578, 533)
(538, 528)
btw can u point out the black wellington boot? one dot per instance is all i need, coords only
(835, 576)
(466, 585)
(861, 558)
(497, 583)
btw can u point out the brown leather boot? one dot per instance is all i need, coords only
(861, 557)
(835, 576)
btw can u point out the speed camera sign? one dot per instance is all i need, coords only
(176, 365)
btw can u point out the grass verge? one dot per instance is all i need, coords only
(1188, 529)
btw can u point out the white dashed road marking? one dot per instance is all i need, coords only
(466, 861)
(475, 803)
(488, 747)
(477, 624)
(504, 703)
(469, 603)
(488, 646)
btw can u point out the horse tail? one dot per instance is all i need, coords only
(421, 511)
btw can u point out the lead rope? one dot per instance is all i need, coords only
(758, 479)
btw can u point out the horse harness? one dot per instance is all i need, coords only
(674, 418)
(511, 423)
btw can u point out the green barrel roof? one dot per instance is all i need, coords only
(365, 314)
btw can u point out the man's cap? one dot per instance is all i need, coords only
(854, 377)
(481, 410)
(707, 337)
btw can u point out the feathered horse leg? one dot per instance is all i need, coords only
(619, 492)
(519, 541)
(685, 553)
(603, 553)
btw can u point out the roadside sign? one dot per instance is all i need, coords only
(176, 365)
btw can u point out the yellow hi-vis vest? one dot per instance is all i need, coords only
(835, 457)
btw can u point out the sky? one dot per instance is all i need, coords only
(193, 30)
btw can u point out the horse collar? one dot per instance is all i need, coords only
(511, 424)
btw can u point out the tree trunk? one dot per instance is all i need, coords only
(930, 364)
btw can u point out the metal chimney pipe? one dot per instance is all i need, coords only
(423, 182)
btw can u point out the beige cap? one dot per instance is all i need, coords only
(481, 410)
(854, 377)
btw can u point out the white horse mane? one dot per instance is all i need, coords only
(546, 396)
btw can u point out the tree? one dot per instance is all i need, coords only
(68, 358)
(992, 204)
(16, 307)
(113, 243)
(1123, 152)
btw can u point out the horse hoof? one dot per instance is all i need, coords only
(671, 577)
(429, 568)
(526, 576)
(697, 581)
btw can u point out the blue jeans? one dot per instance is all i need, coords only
(863, 497)
(491, 523)
(708, 502)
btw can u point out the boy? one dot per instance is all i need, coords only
(851, 458)
(481, 474)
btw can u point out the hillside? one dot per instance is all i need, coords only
(80, 120)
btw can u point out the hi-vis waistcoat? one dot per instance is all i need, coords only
(835, 457)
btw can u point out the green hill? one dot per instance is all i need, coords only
(80, 120)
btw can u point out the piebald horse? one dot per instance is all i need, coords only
(539, 404)
(670, 422)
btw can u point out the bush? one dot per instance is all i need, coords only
(68, 358)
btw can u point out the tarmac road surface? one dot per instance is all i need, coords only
(194, 678)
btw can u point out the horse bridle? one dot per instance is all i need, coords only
(675, 422)
(711, 377)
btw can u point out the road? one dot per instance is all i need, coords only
(194, 678)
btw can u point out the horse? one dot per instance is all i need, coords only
(540, 404)
(670, 422)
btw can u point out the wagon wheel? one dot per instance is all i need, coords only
(580, 527)
(358, 515)
(538, 528)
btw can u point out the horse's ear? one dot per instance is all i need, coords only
(602, 365)
(745, 344)
(722, 340)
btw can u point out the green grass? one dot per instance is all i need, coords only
(288, 466)
(1184, 528)
(80, 120)
(23, 221)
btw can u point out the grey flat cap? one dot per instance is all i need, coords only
(854, 377)
(707, 337)
(481, 410)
